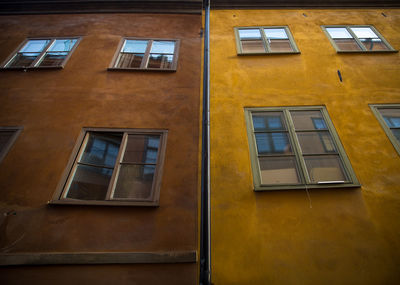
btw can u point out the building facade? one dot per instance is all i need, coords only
(305, 173)
(99, 125)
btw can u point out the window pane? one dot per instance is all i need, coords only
(89, 183)
(129, 60)
(163, 47)
(396, 133)
(160, 61)
(134, 181)
(63, 45)
(36, 46)
(280, 45)
(316, 142)
(374, 44)
(347, 44)
(339, 33)
(249, 34)
(364, 33)
(273, 143)
(135, 46)
(253, 46)
(269, 121)
(325, 168)
(391, 117)
(102, 149)
(23, 59)
(276, 34)
(308, 120)
(278, 170)
(5, 138)
(141, 149)
(53, 59)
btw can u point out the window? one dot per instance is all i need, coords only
(114, 167)
(148, 54)
(42, 53)
(357, 39)
(264, 40)
(8, 135)
(389, 117)
(296, 148)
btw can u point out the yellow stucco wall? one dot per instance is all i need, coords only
(342, 236)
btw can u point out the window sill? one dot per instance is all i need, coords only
(140, 69)
(268, 53)
(364, 51)
(103, 203)
(31, 68)
(303, 187)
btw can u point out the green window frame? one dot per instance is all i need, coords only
(296, 148)
(388, 116)
(114, 167)
(42, 53)
(265, 40)
(356, 39)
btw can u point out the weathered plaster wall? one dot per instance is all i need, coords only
(54, 105)
(342, 236)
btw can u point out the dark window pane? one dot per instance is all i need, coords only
(23, 59)
(276, 45)
(278, 170)
(141, 149)
(316, 142)
(89, 183)
(396, 133)
(273, 143)
(129, 60)
(134, 46)
(306, 120)
(252, 46)
(102, 149)
(347, 44)
(134, 181)
(53, 59)
(325, 168)
(374, 44)
(269, 121)
(160, 61)
(5, 137)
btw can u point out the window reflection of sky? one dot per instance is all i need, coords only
(364, 33)
(163, 47)
(63, 45)
(249, 34)
(339, 33)
(275, 34)
(35, 46)
(135, 46)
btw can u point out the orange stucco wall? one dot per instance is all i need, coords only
(342, 236)
(54, 105)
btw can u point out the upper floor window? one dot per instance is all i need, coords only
(8, 135)
(42, 52)
(114, 167)
(389, 117)
(264, 40)
(296, 147)
(357, 39)
(148, 54)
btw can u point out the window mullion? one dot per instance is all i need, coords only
(114, 176)
(297, 149)
(356, 38)
(265, 40)
(40, 56)
(146, 55)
